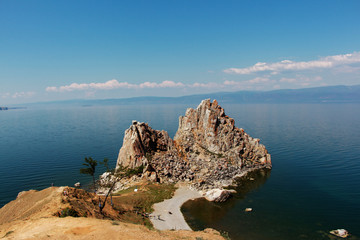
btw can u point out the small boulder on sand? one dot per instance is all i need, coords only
(340, 233)
(218, 195)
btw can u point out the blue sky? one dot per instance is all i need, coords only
(57, 50)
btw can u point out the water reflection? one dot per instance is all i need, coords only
(200, 213)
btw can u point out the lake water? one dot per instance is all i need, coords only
(314, 185)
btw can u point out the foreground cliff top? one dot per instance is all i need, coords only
(33, 216)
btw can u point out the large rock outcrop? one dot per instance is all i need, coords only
(140, 142)
(208, 150)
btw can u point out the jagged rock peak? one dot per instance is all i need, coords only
(207, 126)
(139, 141)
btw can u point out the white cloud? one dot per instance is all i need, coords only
(287, 65)
(347, 69)
(277, 86)
(309, 79)
(205, 85)
(17, 95)
(22, 94)
(230, 83)
(164, 84)
(51, 89)
(113, 84)
(288, 80)
(233, 84)
(247, 84)
(259, 80)
(5, 95)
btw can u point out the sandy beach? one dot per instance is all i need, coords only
(167, 214)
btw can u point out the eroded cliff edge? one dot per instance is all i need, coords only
(208, 151)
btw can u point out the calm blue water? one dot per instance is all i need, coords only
(314, 185)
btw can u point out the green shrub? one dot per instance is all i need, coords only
(128, 172)
(225, 235)
(68, 212)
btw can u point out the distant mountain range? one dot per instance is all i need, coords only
(331, 94)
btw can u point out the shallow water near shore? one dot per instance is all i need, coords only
(313, 187)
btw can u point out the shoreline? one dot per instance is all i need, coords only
(167, 214)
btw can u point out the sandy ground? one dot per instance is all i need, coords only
(70, 228)
(167, 214)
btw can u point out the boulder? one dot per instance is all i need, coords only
(218, 195)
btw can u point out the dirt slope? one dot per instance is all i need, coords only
(33, 204)
(33, 216)
(91, 228)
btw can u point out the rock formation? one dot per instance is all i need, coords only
(208, 151)
(140, 142)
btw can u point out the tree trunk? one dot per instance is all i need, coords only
(103, 205)
(93, 181)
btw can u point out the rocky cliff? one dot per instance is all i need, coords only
(208, 151)
(141, 142)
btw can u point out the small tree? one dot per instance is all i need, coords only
(102, 205)
(105, 162)
(90, 170)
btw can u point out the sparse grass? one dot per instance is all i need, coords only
(144, 199)
(199, 238)
(128, 190)
(141, 202)
(148, 224)
(115, 223)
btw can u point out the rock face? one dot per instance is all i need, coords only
(140, 142)
(208, 151)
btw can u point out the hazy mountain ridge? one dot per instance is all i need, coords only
(330, 94)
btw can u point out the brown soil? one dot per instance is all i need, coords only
(35, 215)
(33, 204)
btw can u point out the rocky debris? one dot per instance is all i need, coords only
(107, 179)
(218, 195)
(208, 151)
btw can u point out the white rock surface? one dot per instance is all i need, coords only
(218, 195)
